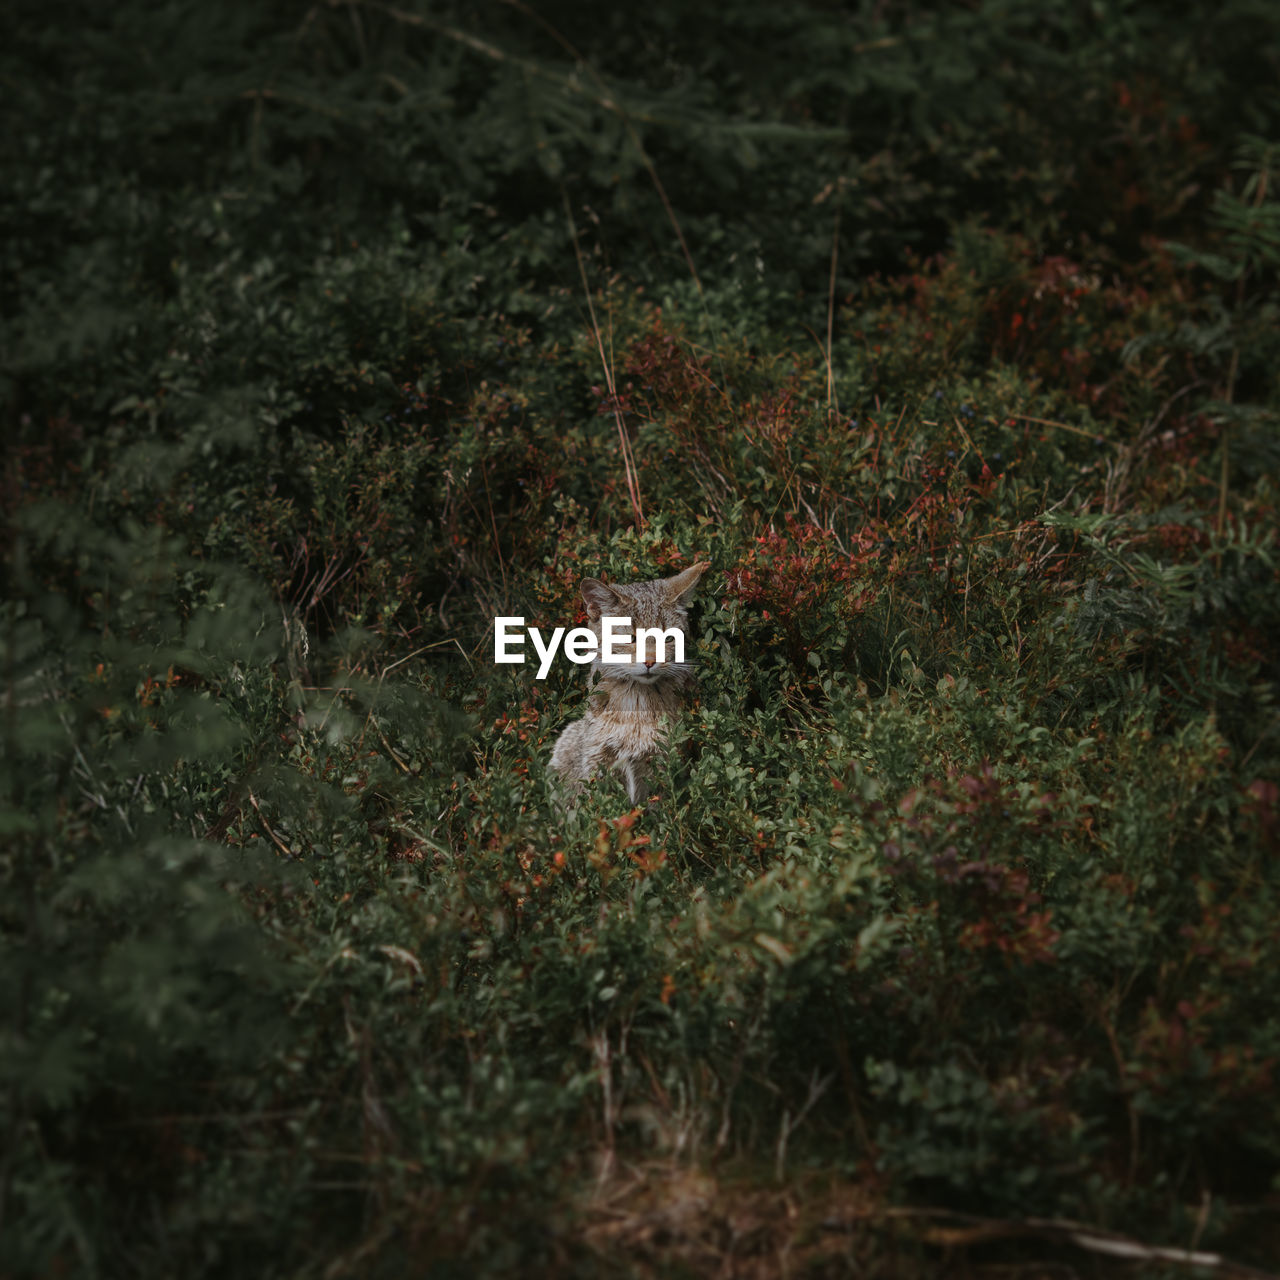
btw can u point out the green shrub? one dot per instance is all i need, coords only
(332, 333)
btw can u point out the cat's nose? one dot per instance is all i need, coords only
(649, 663)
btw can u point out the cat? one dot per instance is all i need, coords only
(625, 723)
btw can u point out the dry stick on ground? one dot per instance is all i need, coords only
(970, 1230)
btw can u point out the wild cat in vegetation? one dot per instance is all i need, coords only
(626, 720)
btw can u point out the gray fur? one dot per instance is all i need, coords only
(625, 723)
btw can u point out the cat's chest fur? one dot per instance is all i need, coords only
(626, 723)
(626, 720)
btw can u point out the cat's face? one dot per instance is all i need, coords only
(658, 606)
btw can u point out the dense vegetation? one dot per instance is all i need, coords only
(950, 335)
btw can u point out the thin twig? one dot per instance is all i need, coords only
(628, 460)
(1049, 422)
(831, 308)
(266, 826)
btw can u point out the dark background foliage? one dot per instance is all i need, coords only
(948, 333)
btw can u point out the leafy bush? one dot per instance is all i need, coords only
(331, 333)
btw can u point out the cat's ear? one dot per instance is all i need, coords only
(599, 598)
(680, 588)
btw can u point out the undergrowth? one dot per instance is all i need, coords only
(959, 901)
